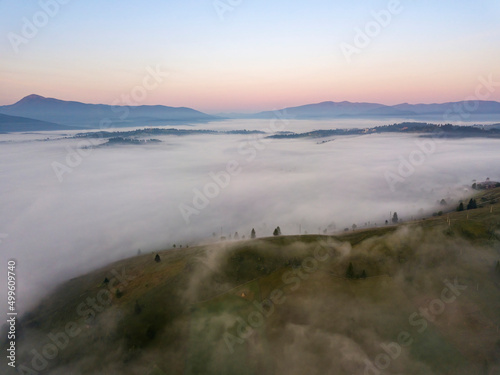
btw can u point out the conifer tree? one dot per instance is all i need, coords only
(395, 218)
(350, 271)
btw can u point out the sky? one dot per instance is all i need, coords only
(247, 56)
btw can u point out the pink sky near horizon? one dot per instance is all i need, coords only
(258, 98)
(244, 95)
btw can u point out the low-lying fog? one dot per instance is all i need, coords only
(67, 210)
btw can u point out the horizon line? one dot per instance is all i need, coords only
(250, 112)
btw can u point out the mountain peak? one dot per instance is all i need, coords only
(72, 113)
(31, 98)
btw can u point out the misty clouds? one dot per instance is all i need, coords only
(121, 199)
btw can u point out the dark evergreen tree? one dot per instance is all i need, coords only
(460, 207)
(395, 218)
(275, 233)
(236, 236)
(157, 258)
(279, 231)
(137, 308)
(252, 235)
(472, 204)
(350, 271)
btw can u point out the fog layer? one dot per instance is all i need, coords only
(67, 208)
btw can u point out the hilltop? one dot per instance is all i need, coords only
(422, 298)
(99, 116)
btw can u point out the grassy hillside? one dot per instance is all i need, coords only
(428, 305)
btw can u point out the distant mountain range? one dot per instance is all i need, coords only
(452, 111)
(22, 124)
(36, 112)
(84, 115)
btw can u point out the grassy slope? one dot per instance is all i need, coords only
(171, 317)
